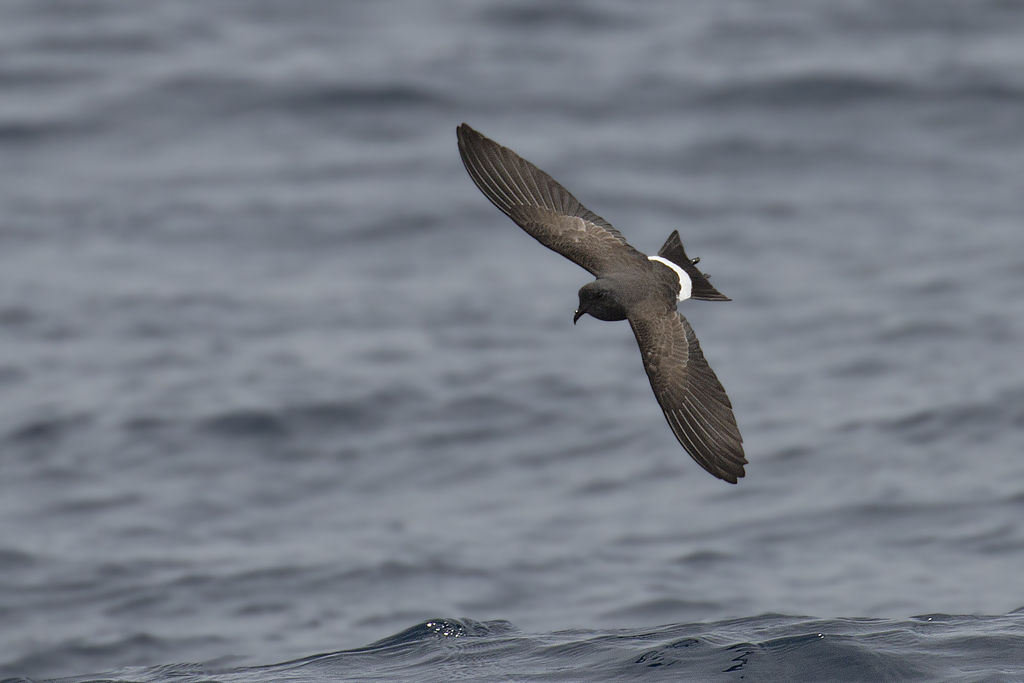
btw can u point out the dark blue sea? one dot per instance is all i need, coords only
(284, 398)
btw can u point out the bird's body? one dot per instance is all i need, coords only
(629, 286)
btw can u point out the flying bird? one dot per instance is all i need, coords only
(629, 285)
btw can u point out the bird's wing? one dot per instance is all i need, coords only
(693, 400)
(541, 206)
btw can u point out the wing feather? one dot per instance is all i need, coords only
(541, 206)
(695, 405)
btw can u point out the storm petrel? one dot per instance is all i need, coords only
(630, 286)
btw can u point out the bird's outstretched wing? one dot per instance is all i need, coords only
(693, 400)
(542, 207)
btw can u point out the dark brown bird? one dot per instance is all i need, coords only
(630, 286)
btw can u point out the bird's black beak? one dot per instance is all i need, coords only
(576, 316)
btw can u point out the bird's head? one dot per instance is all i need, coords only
(599, 299)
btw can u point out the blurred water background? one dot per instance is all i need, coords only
(277, 380)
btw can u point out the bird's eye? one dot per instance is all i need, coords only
(601, 294)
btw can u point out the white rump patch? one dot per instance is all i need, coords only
(685, 284)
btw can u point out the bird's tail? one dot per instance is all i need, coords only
(701, 288)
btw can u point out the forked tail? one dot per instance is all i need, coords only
(701, 288)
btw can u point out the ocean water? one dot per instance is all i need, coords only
(285, 398)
